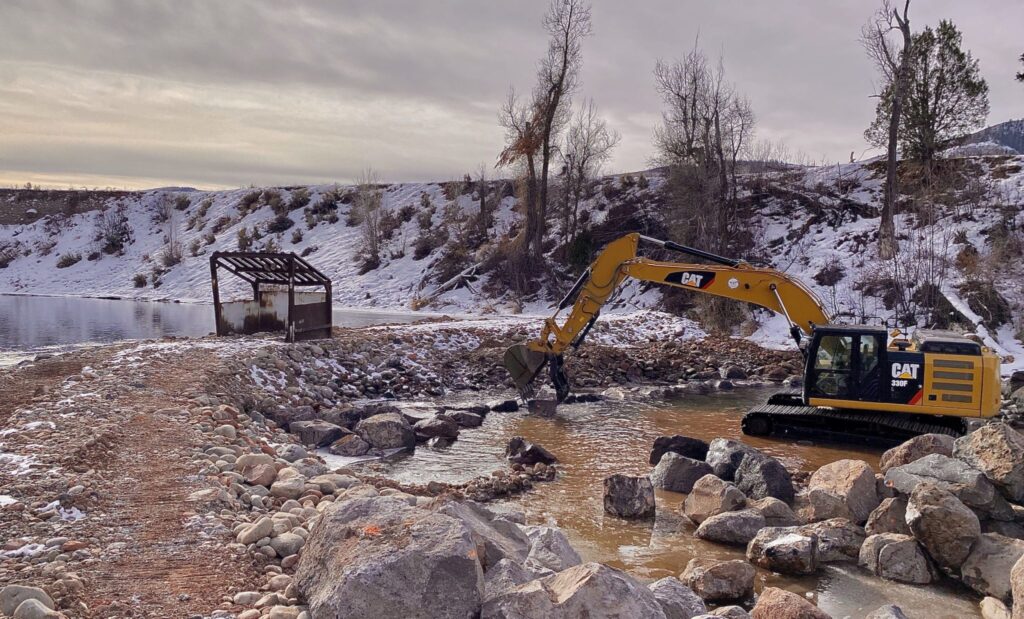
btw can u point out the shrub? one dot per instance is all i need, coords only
(154, 277)
(580, 250)
(94, 256)
(273, 199)
(8, 252)
(428, 242)
(248, 203)
(831, 274)
(280, 224)
(454, 260)
(406, 213)
(139, 280)
(161, 208)
(244, 240)
(298, 199)
(209, 238)
(172, 254)
(388, 224)
(296, 236)
(221, 222)
(368, 263)
(270, 246)
(309, 250)
(204, 208)
(195, 247)
(182, 202)
(112, 230)
(67, 260)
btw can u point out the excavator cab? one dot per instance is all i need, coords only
(845, 363)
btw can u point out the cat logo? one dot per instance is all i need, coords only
(691, 279)
(905, 370)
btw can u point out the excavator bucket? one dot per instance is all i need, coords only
(523, 365)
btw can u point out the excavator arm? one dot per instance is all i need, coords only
(724, 277)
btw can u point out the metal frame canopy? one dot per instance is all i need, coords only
(304, 321)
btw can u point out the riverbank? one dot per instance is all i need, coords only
(168, 460)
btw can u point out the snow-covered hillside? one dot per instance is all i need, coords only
(817, 223)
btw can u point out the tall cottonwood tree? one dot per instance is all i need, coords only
(1020, 76)
(892, 59)
(532, 130)
(587, 146)
(946, 97)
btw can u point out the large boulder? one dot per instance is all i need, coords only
(676, 599)
(387, 431)
(495, 538)
(465, 419)
(987, 568)
(838, 539)
(12, 596)
(851, 480)
(889, 517)
(626, 496)
(711, 496)
(725, 455)
(591, 590)
(378, 557)
(759, 476)
(992, 608)
(678, 473)
(257, 469)
(889, 611)
(350, 445)
(1017, 588)
(776, 513)
(504, 576)
(442, 427)
(942, 524)
(521, 451)
(997, 450)
(785, 550)
(816, 504)
(316, 433)
(915, 449)
(550, 549)
(717, 581)
(967, 483)
(737, 527)
(774, 603)
(896, 557)
(678, 444)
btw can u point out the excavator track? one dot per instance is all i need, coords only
(785, 419)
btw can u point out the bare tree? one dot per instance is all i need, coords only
(588, 145)
(893, 62)
(522, 144)
(367, 206)
(706, 125)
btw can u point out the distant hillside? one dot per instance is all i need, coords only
(1009, 134)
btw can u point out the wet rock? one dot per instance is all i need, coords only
(774, 603)
(997, 450)
(838, 539)
(942, 524)
(437, 426)
(776, 513)
(786, 550)
(725, 455)
(466, 419)
(851, 480)
(890, 611)
(966, 483)
(734, 372)
(503, 406)
(711, 496)
(915, 449)
(378, 557)
(737, 527)
(815, 505)
(716, 581)
(387, 431)
(889, 517)
(678, 444)
(495, 539)
(629, 497)
(292, 452)
(896, 557)
(550, 549)
(316, 433)
(729, 612)
(987, 567)
(677, 600)
(34, 609)
(12, 596)
(350, 445)
(522, 451)
(759, 476)
(440, 442)
(591, 590)
(678, 473)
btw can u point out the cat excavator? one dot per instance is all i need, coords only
(857, 381)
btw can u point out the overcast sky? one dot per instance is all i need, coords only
(226, 93)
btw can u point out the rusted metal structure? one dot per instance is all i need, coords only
(276, 304)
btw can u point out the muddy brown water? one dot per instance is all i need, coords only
(595, 440)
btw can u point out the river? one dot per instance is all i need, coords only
(595, 440)
(30, 325)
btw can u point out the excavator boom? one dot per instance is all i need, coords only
(724, 277)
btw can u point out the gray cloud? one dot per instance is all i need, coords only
(221, 93)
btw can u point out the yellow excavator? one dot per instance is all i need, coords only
(856, 381)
